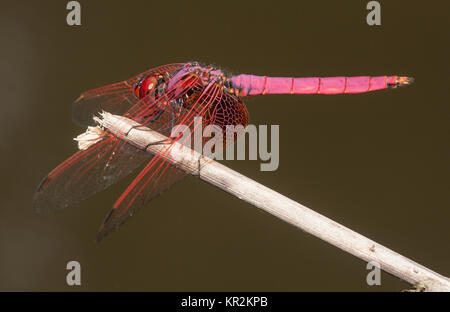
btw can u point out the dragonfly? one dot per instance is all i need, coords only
(161, 98)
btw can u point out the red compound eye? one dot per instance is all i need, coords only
(146, 86)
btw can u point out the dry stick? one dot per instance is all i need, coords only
(277, 204)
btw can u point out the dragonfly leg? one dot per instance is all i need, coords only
(165, 141)
(199, 163)
(136, 127)
(154, 117)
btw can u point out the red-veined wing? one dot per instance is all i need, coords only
(87, 172)
(115, 98)
(109, 160)
(159, 174)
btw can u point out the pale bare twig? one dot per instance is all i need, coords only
(278, 205)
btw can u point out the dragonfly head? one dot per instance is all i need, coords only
(146, 85)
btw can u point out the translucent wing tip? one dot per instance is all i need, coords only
(45, 200)
(108, 226)
(37, 202)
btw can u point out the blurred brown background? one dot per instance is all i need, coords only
(377, 163)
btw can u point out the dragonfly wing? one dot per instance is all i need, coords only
(109, 160)
(88, 172)
(115, 98)
(159, 174)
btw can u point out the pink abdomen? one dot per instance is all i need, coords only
(249, 85)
